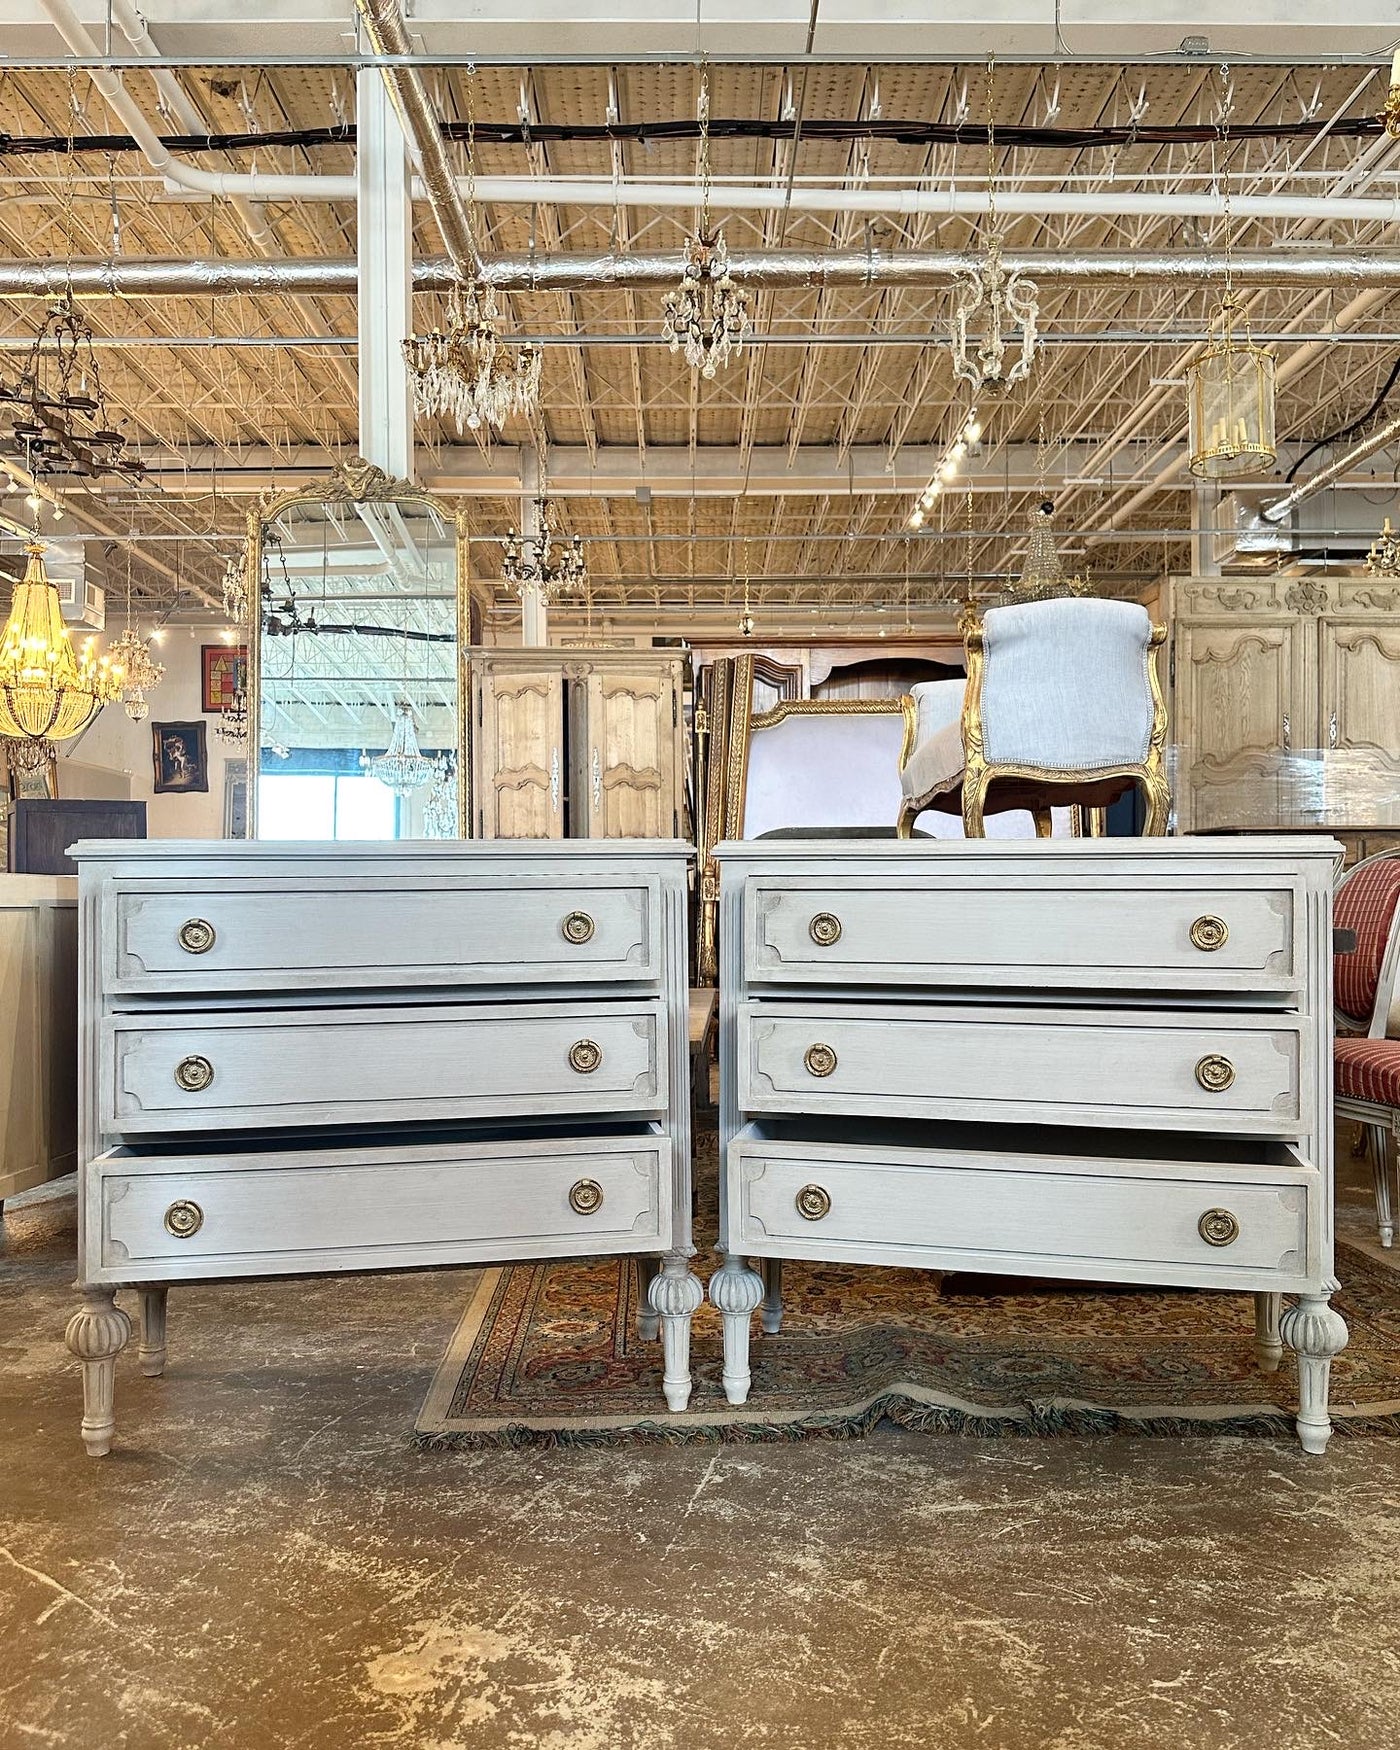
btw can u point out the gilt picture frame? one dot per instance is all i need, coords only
(180, 755)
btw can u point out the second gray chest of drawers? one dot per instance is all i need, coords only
(322, 1058)
(1098, 1059)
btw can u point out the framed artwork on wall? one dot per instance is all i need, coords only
(180, 756)
(223, 673)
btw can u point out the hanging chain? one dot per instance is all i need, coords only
(704, 119)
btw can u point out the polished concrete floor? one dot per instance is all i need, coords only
(264, 1561)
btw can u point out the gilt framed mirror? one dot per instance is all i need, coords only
(359, 617)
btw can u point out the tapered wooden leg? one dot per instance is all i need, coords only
(735, 1291)
(97, 1334)
(974, 794)
(1158, 798)
(648, 1324)
(1268, 1339)
(904, 826)
(1380, 1173)
(151, 1352)
(1316, 1331)
(771, 1270)
(675, 1296)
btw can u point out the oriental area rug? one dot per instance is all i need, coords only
(549, 1354)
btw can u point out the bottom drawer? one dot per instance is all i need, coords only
(170, 1214)
(1090, 1205)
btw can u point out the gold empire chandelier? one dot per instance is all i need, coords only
(48, 692)
(543, 561)
(464, 372)
(1230, 391)
(707, 316)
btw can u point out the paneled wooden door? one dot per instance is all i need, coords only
(625, 752)
(1359, 714)
(518, 760)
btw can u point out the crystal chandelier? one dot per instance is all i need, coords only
(464, 372)
(235, 588)
(1384, 558)
(402, 767)
(1043, 574)
(1230, 391)
(541, 561)
(707, 316)
(989, 303)
(60, 423)
(48, 692)
(232, 726)
(142, 673)
(440, 804)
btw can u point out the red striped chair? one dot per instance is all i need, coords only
(1366, 1060)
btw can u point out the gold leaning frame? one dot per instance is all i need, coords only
(353, 481)
(978, 774)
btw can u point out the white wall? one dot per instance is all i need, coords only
(116, 744)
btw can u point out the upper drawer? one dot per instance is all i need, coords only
(250, 933)
(1179, 1070)
(1212, 934)
(164, 1074)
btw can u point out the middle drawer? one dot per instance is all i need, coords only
(1138, 1068)
(251, 1069)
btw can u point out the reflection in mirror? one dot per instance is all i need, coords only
(358, 672)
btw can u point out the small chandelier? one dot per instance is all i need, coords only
(989, 303)
(402, 767)
(232, 726)
(60, 423)
(707, 316)
(47, 692)
(440, 804)
(143, 674)
(464, 372)
(1230, 392)
(1384, 558)
(235, 588)
(541, 561)
(1043, 574)
(1391, 113)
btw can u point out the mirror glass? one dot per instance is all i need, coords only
(358, 690)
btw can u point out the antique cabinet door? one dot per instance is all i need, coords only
(519, 750)
(1245, 697)
(626, 753)
(1359, 696)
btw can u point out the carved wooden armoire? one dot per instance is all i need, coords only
(577, 744)
(1287, 703)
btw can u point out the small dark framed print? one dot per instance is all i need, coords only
(181, 757)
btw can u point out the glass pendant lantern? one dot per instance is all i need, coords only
(1231, 395)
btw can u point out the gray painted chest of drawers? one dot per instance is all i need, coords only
(1107, 1060)
(303, 1058)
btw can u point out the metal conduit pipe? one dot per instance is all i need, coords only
(388, 35)
(796, 269)
(1382, 436)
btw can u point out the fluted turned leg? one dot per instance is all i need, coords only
(1380, 1172)
(676, 1295)
(97, 1333)
(1316, 1331)
(151, 1351)
(771, 1270)
(1268, 1338)
(735, 1291)
(648, 1324)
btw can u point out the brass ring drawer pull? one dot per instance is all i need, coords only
(1209, 933)
(194, 1074)
(585, 1055)
(577, 927)
(825, 929)
(196, 935)
(1215, 1073)
(820, 1060)
(1217, 1227)
(813, 1203)
(184, 1219)
(585, 1197)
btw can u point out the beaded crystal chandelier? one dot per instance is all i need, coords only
(402, 767)
(59, 423)
(542, 561)
(464, 372)
(232, 725)
(440, 804)
(142, 673)
(1384, 558)
(48, 692)
(707, 316)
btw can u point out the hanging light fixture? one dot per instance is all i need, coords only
(235, 588)
(48, 693)
(1383, 560)
(707, 316)
(233, 720)
(464, 371)
(542, 561)
(402, 767)
(60, 424)
(440, 804)
(1391, 115)
(992, 305)
(1230, 390)
(1043, 574)
(132, 654)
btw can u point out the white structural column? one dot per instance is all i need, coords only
(385, 215)
(534, 609)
